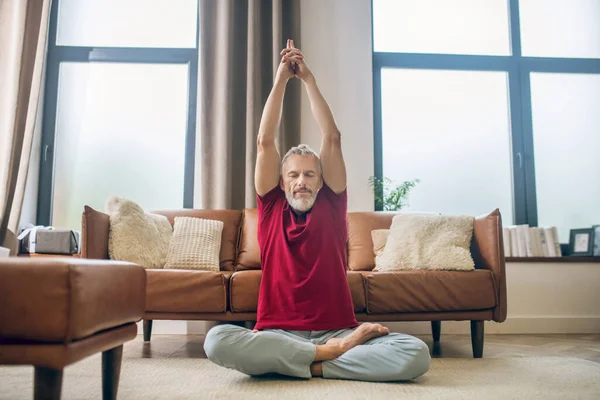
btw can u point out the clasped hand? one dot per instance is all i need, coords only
(292, 64)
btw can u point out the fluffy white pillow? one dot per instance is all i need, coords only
(196, 244)
(135, 235)
(430, 242)
(380, 237)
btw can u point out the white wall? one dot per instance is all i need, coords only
(178, 327)
(336, 42)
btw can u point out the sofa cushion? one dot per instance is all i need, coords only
(243, 291)
(185, 291)
(196, 244)
(357, 290)
(229, 238)
(244, 287)
(360, 243)
(249, 252)
(429, 291)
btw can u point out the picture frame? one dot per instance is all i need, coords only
(596, 252)
(581, 242)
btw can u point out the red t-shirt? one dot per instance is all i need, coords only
(303, 261)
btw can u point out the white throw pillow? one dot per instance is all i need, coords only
(379, 237)
(430, 242)
(137, 236)
(196, 244)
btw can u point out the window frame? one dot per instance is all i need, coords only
(518, 69)
(147, 55)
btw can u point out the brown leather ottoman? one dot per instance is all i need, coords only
(56, 311)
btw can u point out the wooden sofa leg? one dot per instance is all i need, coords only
(436, 329)
(477, 338)
(111, 370)
(47, 383)
(147, 329)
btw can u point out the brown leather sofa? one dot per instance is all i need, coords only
(232, 293)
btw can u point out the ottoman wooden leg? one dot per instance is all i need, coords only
(147, 329)
(47, 383)
(111, 369)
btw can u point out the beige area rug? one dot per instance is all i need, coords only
(448, 378)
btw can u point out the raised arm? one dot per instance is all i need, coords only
(266, 174)
(332, 159)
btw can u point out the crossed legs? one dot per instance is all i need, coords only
(367, 352)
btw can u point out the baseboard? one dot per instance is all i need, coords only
(514, 325)
(178, 327)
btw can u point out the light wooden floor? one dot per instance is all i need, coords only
(583, 346)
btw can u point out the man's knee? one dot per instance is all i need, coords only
(413, 359)
(227, 346)
(421, 360)
(216, 345)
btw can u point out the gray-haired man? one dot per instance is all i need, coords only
(305, 318)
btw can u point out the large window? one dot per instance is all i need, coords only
(120, 112)
(491, 104)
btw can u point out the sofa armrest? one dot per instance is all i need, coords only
(487, 249)
(95, 226)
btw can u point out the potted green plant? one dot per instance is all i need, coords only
(390, 196)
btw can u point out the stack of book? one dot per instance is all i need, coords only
(526, 241)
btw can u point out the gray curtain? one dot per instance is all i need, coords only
(240, 41)
(23, 35)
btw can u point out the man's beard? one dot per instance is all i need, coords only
(302, 204)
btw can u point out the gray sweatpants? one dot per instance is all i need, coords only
(394, 357)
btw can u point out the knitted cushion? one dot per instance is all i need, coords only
(196, 244)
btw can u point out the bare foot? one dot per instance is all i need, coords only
(335, 347)
(362, 334)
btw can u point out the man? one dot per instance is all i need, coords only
(305, 319)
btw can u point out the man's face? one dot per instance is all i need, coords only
(301, 181)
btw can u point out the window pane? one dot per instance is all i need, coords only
(566, 133)
(441, 26)
(558, 28)
(130, 23)
(121, 131)
(450, 129)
